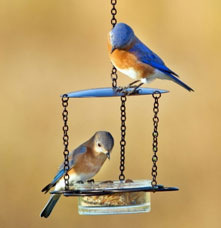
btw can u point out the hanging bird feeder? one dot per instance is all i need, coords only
(123, 196)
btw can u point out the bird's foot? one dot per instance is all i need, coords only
(119, 89)
(135, 89)
(107, 182)
(128, 181)
(80, 182)
(126, 90)
(90, 181)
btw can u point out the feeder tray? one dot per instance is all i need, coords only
(113, 197)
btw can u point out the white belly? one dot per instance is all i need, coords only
(73, 178)
(130, 72)
(156, 74)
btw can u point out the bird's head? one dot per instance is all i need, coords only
(103, 142)
(121, 36)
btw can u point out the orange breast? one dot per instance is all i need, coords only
(88, 163)
(123, 60)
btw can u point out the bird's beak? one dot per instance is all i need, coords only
(108, 155)
(113, 49)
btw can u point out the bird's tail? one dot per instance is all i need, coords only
(50, 205)
(179, 82)
(47, 188)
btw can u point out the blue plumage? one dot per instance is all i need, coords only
(123, 39)
(50, 205)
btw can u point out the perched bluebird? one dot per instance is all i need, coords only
(84, 163)
(131, 57)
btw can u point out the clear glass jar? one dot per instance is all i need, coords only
(128, 202)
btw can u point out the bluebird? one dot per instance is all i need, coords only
(84, 163)
(134, 59)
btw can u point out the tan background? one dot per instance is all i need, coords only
(51, 47)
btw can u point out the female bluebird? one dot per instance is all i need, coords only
(84, 163)
(131, 57)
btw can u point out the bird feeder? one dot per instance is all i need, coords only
(123, 196)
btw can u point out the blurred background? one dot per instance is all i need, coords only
(51, 47)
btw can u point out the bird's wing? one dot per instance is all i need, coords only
(145, 55)
(72, 160)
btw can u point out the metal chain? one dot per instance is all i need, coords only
(114, 77)
(114, 22)
(113, 12)
(156, 95)
(65, 99)
(123, 134)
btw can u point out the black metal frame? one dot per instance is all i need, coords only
(93, 192)
(108, 92)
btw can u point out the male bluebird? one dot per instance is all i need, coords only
(84, 163)
(131, 57)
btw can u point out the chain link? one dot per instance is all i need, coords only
(113, 12)
(65, 128)
(114, 22)
(123, 98)
(114, 77)
(123, 134)
(156, 95)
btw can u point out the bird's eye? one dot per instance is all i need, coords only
(99, 144)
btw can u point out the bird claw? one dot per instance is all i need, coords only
(134, 91)
(119, 89)
(107, 182)
(91, 181)
(125, 91)
(128, 181)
